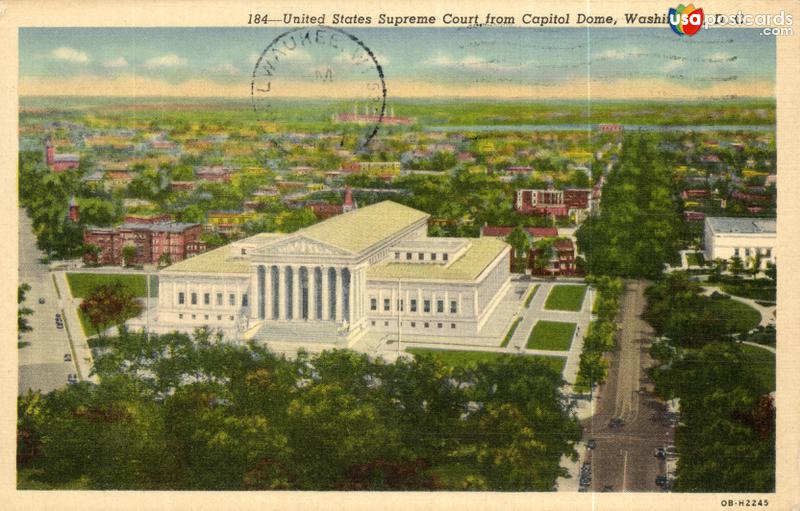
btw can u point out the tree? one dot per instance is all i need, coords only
(164, 259)
(543, 254)
(755, 264)
(772, 271)
(23, 312)
(110, 304)
(91, 252)
(128, 254)
(518, 239)
(736, 267)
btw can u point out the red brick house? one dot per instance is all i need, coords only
(152, 240)
(551, 202)
(59, 162)
(561, 262)
(214, 173)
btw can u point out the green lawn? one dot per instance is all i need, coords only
(739, 316)
(458, 358)
(510, 334)
(530, 296)
(758, 289)
(763, 362)
(551, 335)
(82, 284)
(565, 297)
(695, 259)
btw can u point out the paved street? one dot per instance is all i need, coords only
(623, 459)
(41, 362)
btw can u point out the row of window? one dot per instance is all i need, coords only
(207, 299)
(748, 252)
(421, 256)
(205, 317)
(424, 325)
(426, 305)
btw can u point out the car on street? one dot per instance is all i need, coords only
(616, 422)
(659, 452)
(661, 480)
(41, 300)
(72, 378)
(670, 451)
(67, 357)
(591, 443)
(607, 488)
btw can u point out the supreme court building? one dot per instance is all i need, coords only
(368, 270)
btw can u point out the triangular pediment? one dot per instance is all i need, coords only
(301, 245)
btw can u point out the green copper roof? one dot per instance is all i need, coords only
(214, 261)
(362, 228)
(481, 253)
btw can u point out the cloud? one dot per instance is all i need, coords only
(672, 65)
(117, 62)
(615, 54)
(473, 63)
(70, 55)
(226, 69)
(169, 60)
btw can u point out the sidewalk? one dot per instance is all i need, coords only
(81, 353)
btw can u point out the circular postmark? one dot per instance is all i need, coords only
(305, 66)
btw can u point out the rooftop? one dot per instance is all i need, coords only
(362, 228)
(725, 225)
(218, 260)
(480, 254)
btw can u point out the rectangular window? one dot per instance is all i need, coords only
(413, 324)
(433, 256)
(206, 298)
(413, 305)
(386, 304)
(453, 306)
(440, 306)
(427, 325)
(181, 298)
(408, 256)
(421, 256)
(232, 299)
(400, 305)
(180, 316)
(205, 317)
(244, 300)
(244, 251)
(397, 255)
(452, 325)
(444, 257)
(231, 318)
(219, 298)
(373, 304)
(385, 323)
(769, 252)
(438, 325)
(426, 306)
(219, 318)
(194, 298)
(735, 252)
(747, 252)
(194, 316)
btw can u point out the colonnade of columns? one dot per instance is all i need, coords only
(305, 293)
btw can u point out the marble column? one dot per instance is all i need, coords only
(267, 292)
(337, 298)
(312, 302)
(281, 292)
(325, 293)
(297, 313)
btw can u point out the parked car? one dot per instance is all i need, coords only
(67, 357)
(591, 443)
(616, 422)
(670, 451)
(41, 300)
(658, 452)
(72, 378)
(607, 488)
(661, 480)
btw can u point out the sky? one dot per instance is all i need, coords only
(559, 63)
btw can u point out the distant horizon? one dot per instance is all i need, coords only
(491, 63)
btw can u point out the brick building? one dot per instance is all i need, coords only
(560, 263)
(59, 162)
(558, 203)
(152, 240)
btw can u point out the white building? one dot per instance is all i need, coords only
(726, 238)
(359, 272)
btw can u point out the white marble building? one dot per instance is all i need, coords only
(740, 237)
(365, 270)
